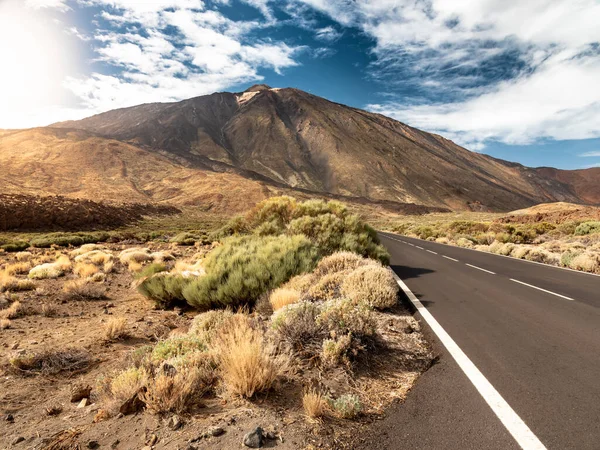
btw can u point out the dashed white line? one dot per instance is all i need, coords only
(419, 247)
(431, 251)
(509, 418)
(451, 259)
(479, 268)
(543, 290)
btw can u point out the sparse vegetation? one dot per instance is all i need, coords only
(115, 329)
(314, 403)
(82, 290)
(347, 406)
(50, 362)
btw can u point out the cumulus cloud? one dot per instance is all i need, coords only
(507, 70)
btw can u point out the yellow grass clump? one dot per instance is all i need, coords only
(23, 256)
(5, 324)
(247, 364)
(83, 289)
(127, 383)
(138, 255)
(373, 284)
(85, 270)
(115, 328)
(10, 283)
(282, 297)
(173, 393)
(63, 263)
(315, 405)
(45, 271)
(18, 268)
(12, 312)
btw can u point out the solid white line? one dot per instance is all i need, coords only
(447, 257)
(419, 247)
(479, 268)
(431, 251)
(509, 418)
(543, 290)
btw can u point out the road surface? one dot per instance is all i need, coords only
(532, 331)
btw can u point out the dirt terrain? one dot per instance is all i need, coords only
(36, 407)
(559, 212)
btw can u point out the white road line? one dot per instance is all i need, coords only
(431, 251)
(543, 290)
(509, 418)
(479, 268)
(451, 259)
(419, 247)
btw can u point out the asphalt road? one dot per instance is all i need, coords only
(537, 343)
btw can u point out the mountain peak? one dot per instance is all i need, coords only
(258, 88)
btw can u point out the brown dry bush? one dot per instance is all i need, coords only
(12, 312)
(18, 268)
(175, 393)
(5, 324)
(82, 289)
(282, 297)
(327, 287)
(115, 329)
(247, 365)
(50, 362)
(339, 262)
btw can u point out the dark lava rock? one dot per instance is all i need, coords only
(254, 439)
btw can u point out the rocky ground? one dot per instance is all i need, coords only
(52, 406)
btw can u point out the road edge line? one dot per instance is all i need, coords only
(509, 418)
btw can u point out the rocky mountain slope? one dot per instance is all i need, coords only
(265, 139)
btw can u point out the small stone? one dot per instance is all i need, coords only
(54, 410)
(255, 438)
(153, 439)
(271, 435)
(175, 422)
(79, 392)
(9, 418)
(120, 415)
(93, 444)
(18, 440)
(83, 403)
(115, 444)
(216, 431)
(133, 404)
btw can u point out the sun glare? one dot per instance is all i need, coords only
(35, 56)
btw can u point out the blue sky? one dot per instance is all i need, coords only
(515, 79)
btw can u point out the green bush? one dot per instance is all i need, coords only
(17, 246)
(587, 228)
(347, 406)
(150, 270)
(468, 227)
(164, 289)
(243, 268)
(184, 238)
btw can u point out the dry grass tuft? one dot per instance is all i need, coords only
(83, 289)
(127, 383)
(23, 256)
(134, 266)
(51, 362)
(247, 365)
(46, 271)
(18, 268)
(314, 403)
(282, 297)
(12, 312)
(12, 284)
(174, 393)
(5, 324)
(115, 329)
(63, 263)
(138, 255)
(85, 270)
(341, 261)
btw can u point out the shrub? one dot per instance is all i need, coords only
(347, 406)
(150, 270)
(50, 362)
(296, 326)
(184, 238)
(339, 262)
(18, 268)
(519, 251)
(164, 289)
(314, 403)
(59, 239)
(12, 312)
(587, 228)
(175, 393)
(138, 255)
(282, 297)
(12, 284)
(85, 270)
(206, 325)
(242, 269)
(334, 351)
(5, 324)
(16, 246)
(23, 256)
(176, 347)
(127, 383)
(372, 284)
(247, 365)
(82, 289)
(327, 287)
(585, 262)
(45, 271)
(115, 328)
(464, 242)
(567, 257)
(344, 316)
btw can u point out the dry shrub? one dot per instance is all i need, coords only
(46, 271)
(82, 289)
(5, 324)
(300, 283)
(585, 262)
(373, 284)
(138, 255)
(296, 327)
(98, 277)
(247, 365)
(282, 297)
(23, 256)
(519, 251)
(134, 266)
(335, 351)
(48, 310)
(115, 329)
(442, 240)
(161, 257)
(122, 387)
(18, 268)
(12, 312)
(314, 403)
(108, 266)
(206, 325)
(85, 270)
(85, 248)
(12, 284)
(327, 287)
(63, 263)
(339, 262)
(51, 362)
(345, 316)
(174, 393)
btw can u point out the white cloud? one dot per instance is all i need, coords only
(454, 49)
(590, 154)
(38, 4)
(328, 34)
